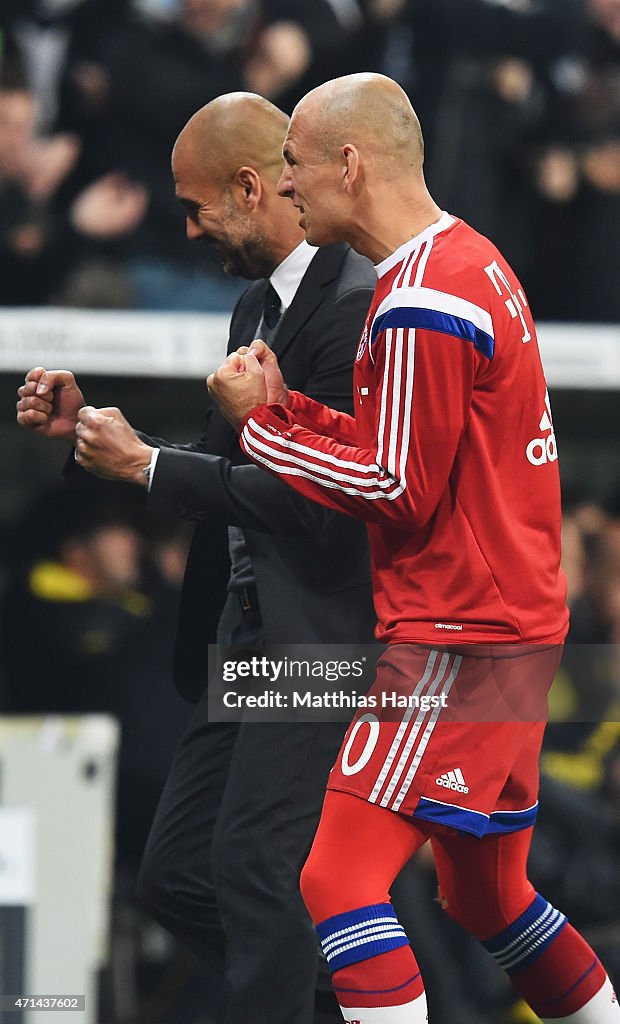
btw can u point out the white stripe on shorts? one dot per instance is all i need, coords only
(428, 671)
(404, 789)
(422, 715)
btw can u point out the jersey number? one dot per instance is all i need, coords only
(371, 742)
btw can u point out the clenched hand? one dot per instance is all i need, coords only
(249, 377)
(49, 403)
(108, 446)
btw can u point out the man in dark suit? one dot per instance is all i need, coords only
(237, 815)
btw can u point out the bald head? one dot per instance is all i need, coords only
(226, 164)
(368, 111)
(353, 166)
(235, 130)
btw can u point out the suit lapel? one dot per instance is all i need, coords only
(246, 322)
(324, 268)
(221, 438)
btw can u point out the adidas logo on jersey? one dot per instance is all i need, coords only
(543, 449)
(453, 780)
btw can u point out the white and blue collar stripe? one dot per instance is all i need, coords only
(428, 309)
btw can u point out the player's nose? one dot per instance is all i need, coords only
(192, 230)
(285, 183)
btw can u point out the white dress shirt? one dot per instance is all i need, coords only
(287, 278)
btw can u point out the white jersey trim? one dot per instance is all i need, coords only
(439, 302)
(445, 221)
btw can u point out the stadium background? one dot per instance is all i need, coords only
(520, 104)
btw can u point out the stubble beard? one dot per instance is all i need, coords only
(253, 260)
(252, 257)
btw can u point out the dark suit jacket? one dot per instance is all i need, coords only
(311, 564)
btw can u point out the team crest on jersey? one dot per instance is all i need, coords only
(361, 348)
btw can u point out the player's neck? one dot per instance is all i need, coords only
(392, 224)
(285, 240)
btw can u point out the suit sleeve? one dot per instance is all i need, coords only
(199, 486)
(423, 394)
(202, 486)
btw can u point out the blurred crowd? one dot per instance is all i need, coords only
(519, 100)
(96, 583)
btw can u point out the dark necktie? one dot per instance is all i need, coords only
(272, 308)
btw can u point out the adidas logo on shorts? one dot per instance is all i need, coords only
(453, 780)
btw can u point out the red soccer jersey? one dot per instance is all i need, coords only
(451, 457)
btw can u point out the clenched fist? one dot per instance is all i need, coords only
(49, 403)
(108, 446)
(249, 377)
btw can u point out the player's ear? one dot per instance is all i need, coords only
(250, 186)
(350, 166)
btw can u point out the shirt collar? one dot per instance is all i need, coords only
(286, 278)
(444, 222)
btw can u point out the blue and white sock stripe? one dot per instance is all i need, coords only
(528, 937)
(360, 934)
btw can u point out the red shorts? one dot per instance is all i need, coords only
(452, 735)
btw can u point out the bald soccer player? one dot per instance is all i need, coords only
(451, 460)
(239, 810)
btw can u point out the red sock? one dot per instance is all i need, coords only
(389, 979)
(564, 978)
